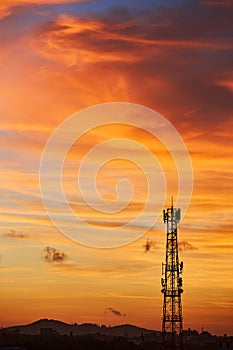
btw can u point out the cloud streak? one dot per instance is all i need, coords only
(67, 39)
(7, 6)
(184, 246)
(114, 312)
(14, 234)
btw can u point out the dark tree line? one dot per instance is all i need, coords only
(64, 342)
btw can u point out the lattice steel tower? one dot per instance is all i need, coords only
(172, 328)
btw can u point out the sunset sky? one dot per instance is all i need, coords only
(58, 57)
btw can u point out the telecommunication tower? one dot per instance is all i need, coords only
(172, 327)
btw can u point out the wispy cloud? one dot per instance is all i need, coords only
(185, 246)
(66, 42)
(114, 312)
(7, 6)
(129, 268)
(14, 234)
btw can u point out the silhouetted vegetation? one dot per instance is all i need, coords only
(100, 341)
(65, 342)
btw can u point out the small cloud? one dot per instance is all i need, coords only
(52, 255)
(114, 311)
(184, 246)
(14, 234)
(150, 245)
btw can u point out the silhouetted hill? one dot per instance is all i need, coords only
(80, 329)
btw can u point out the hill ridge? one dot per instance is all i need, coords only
(79, 329)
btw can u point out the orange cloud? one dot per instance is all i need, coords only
(14, 234)
(7, 6)
(227, 83)
(67, 41)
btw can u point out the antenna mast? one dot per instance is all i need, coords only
(172, 327)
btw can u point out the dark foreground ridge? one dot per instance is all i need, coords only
(48, 326)
(52, 334)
